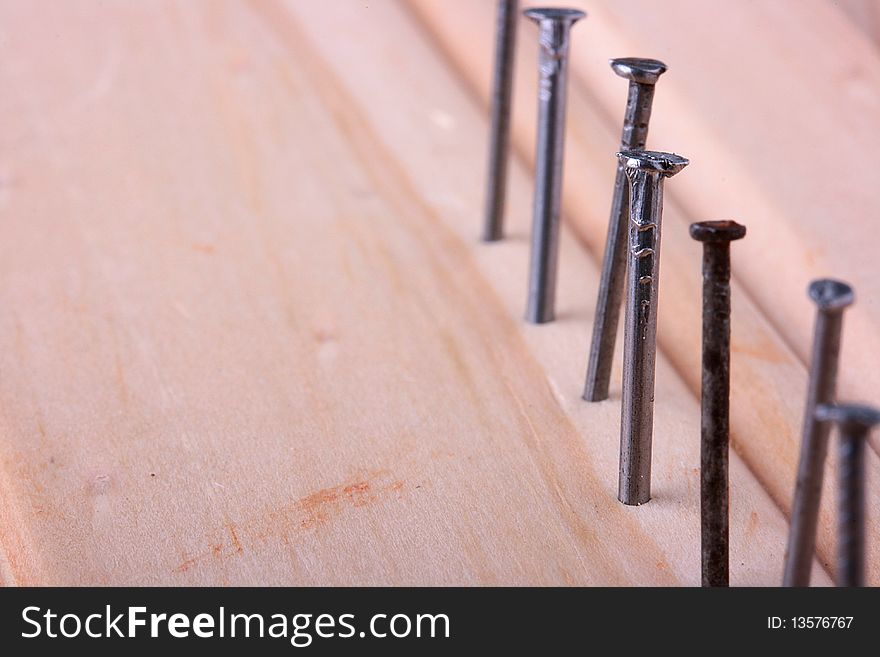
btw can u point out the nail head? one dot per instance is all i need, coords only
(860, 415)
(666, 163)
(637, 69)
(556, 14)
(830, 294)
(717, 231)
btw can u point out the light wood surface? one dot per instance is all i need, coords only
(782, 252)
(249, 336)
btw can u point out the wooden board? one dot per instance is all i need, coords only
(249, 336)
(772, 316)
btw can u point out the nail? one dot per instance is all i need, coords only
(554, 30)
(646, 171)
(854, 422)
(831, 298)
(716, 237)
(499, 137)
(642, 75)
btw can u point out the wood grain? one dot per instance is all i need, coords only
(249, 336)
(770, 348)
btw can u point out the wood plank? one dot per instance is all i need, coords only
(768, 370)
(457, 158)
(249, 339)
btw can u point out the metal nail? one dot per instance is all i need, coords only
(499, 138)
(831, 298)
(642, 75)
(646, 171)
(716, 237)
(554, 30)
(854, 422)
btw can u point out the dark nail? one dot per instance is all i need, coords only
(854, 423)
(716, 237)
(642, 75)
(646, 171)
(499, 138)
(555, 27)
(831, 298)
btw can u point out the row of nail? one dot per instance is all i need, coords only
(630, 268)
